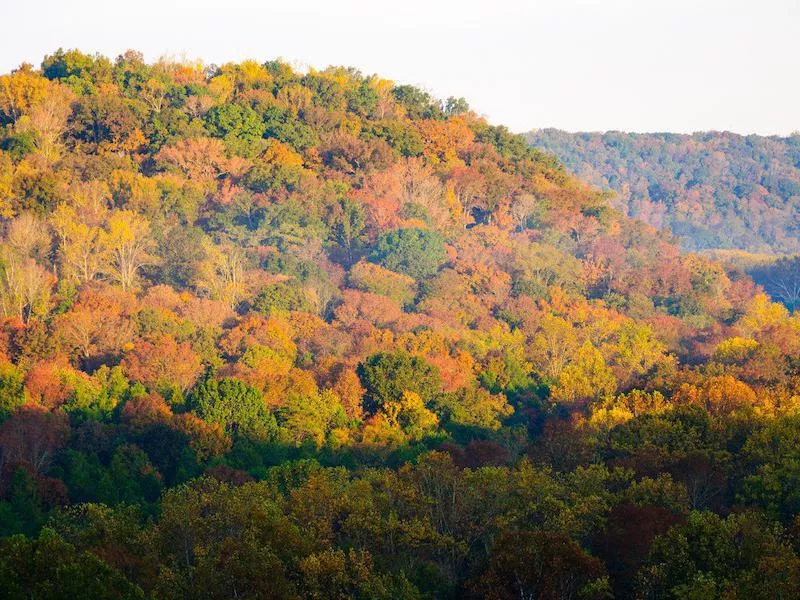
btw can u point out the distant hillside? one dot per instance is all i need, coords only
(714, 190)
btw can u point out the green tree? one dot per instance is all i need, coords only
(739, 557)
(455, 106)
(281, 296)
(311, 417)
(134, 480)
(413, 251)
(387, 375)
(12, 389)
(227, 542)
(773, 456)
(401, 136)
(239, 126)
(418, 103)
(237, 407)
(48, 568)
(347, 227)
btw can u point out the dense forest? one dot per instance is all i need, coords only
(271, 334)
(713, 189)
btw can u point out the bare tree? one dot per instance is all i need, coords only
(781, 280)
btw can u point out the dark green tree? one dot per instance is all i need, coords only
(237, 407)
(455, 106)
(739, 557)
(240, 127)
(412, 251)
(387, 375)
(418, 103)
(48, 568)
(347, 228)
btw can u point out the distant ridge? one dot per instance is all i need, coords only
(712, 189)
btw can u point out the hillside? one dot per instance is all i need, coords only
(713, 190)
(270, 334)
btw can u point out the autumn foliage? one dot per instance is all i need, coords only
(272, 334)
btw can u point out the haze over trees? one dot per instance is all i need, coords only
(270, 334)
(712, 189)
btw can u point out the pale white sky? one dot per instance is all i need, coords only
(634, 65)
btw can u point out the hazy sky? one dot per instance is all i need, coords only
(634, 65)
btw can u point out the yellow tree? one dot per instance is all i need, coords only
(48, 120)
(91, 199)
(246, 75)
(221, 273)
(296, 97)
(613, 411)
(635, 351)
(553, 345)
(761, 314)
(221, 87)
(29, 237)
(21, 90)
(24, 285)
(386, 102)
(410, 414)
(154, 92)
(586, 378)
(127, 237)
(6, 184)
(82, 247)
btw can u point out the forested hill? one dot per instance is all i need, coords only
(714, 189)
(272, 334)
